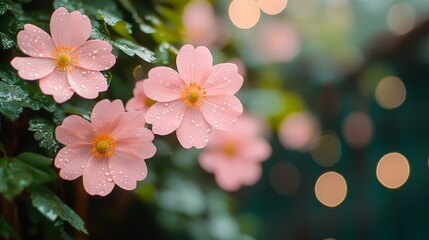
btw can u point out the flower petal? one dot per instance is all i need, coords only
(85, 83)
(194, 129)
(194, 65)
(31, 68)
(138, 102)
(250, 173)
(221, 111)
(72, 160)
(96, 55)
(256, 149)
(106, 115)
(96, 177)
(208, 160)
(69, 30)
(165, 117)
(35, 42)
(164, 84)
(126, 170)
(226, 177)
(235, 173)
(74, 129)
(131, 127)
(57, 85)
(223, 79)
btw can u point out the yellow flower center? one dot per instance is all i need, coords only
(103, 146)
(194, 95)
(149, 102)
(229, 149)
(65, 58)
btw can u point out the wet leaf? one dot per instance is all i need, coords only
(131, 48)
(28, 169)
(44, 134)
(53, 208)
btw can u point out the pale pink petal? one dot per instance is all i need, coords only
(125, 170)
(233, 173)
(131, 125)
(31, 68)
(85, 83)
(35, 42)
(164, 84)
(200, 23)
(57, 85)
(227, 177)
(221, 111)
(96, 177)
(72, 160)
(208, 160)
(223, 79)
(165, 117)
(74, 129)
(194, 130)
(256, 150)
(138, 102)
(194, 65)
(96, 55)
(249, 173)
(69, 29)
(106, 115)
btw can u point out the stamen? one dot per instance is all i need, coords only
(194, 95)
(103, 146)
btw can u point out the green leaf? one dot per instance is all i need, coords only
(6, 230)
(26, 170)
(99, 31)
(8, 5)
(120, 26)
(16, 93)
(12, 99)
(164, 53)
(53, 208)
(131, 49)
(44, 134)
(39, 166)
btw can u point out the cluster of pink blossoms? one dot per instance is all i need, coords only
(197, 102)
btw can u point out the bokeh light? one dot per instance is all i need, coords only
(200, 23)
(244, 13)
(272, 7)
(331, 189)
(284, 178)
(393, 170)
(390, 92)
(277, 41)
(298, 131)
(401, 18)
(358, 129)
(326, 150)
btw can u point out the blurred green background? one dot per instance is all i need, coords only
(330, 62)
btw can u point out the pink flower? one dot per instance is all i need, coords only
(235, 156)
(109, 150)
(195, 100)
(140, 102)
(202, 27)
(65, 63)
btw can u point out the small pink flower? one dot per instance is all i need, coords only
(235, 156)
(109, 150)
(195, 100)
(67, 62)
(140, 102)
